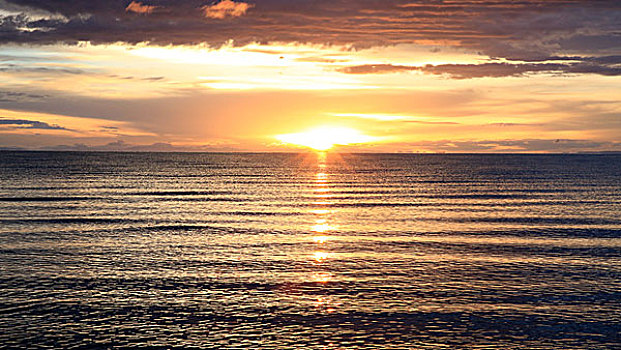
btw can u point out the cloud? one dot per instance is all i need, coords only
(604, 59)
(585, 68)
(36, 69)
(388, 117)
(377, 69)
(226, 8)
(26, 12)
(29, 124)
(494, 70)
(591, 42)
(153, 78)
(138, 7)
(17, 96)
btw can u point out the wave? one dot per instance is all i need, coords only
(84, 220)
(179, 193)
(47, 199)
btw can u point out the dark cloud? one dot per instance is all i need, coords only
(529, 29)
(468, 71)
(604, 59)
(153, 78)
(29, 124)
(592, 42)
(18, 96)
(594, 69)
(615, 59)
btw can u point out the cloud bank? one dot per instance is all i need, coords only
(607, 66)
(528, 30)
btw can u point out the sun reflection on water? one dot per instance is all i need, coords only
(322, 277)
(320, 211)
(320, 239)
(319, 228)
(321, 256)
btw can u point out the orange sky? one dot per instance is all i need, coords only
(449, 85)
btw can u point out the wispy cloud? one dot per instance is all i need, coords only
(387, 117)
(377, 69)
(29, 124)
(16, 96)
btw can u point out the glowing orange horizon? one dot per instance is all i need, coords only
(324, 138)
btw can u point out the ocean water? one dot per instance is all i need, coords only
(309, 251)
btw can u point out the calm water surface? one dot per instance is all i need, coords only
(293, 251)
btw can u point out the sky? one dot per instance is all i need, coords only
(263, 75)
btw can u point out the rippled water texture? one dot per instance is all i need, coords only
(288, 251)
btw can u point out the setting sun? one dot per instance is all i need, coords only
(324, 138)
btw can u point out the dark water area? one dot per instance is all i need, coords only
(306, 251)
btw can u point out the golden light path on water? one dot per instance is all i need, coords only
(321, 226)
(320, 194)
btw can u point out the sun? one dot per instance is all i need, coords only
(324, 138)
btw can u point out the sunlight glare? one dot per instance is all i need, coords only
(324, 138)
(321, 228)
(320, 239)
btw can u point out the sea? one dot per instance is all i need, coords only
(309, 251)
